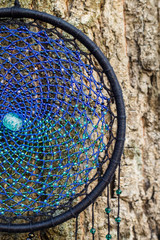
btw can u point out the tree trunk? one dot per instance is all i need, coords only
(127, 33)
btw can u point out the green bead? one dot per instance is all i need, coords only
(118, 191)
(93, 230)
(118, 219)
(107, 210)
(108, 236)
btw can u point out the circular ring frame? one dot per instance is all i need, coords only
(16, 12)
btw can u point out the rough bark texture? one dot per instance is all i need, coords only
(127, 32)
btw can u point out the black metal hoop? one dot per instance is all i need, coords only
(17, 12)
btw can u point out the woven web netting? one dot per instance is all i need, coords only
(56, 122)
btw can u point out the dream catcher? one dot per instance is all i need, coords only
(62, 122)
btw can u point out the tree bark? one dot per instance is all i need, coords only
(127, 33)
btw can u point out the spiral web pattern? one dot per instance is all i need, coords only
(56, 89)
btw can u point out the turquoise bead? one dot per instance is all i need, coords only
(93, 230)
(108, 236)
(107, 210)
(118, 219)
(12, 121)
(118, 191)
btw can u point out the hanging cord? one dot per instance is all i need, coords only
(118, 219)
(76, 230)
(108, 210)
(30, 236)
(93, 230)
(17, 4)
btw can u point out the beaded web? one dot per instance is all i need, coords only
(55, 121)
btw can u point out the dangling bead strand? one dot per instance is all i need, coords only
(118, 192)
(93, 230)
(108, 210)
